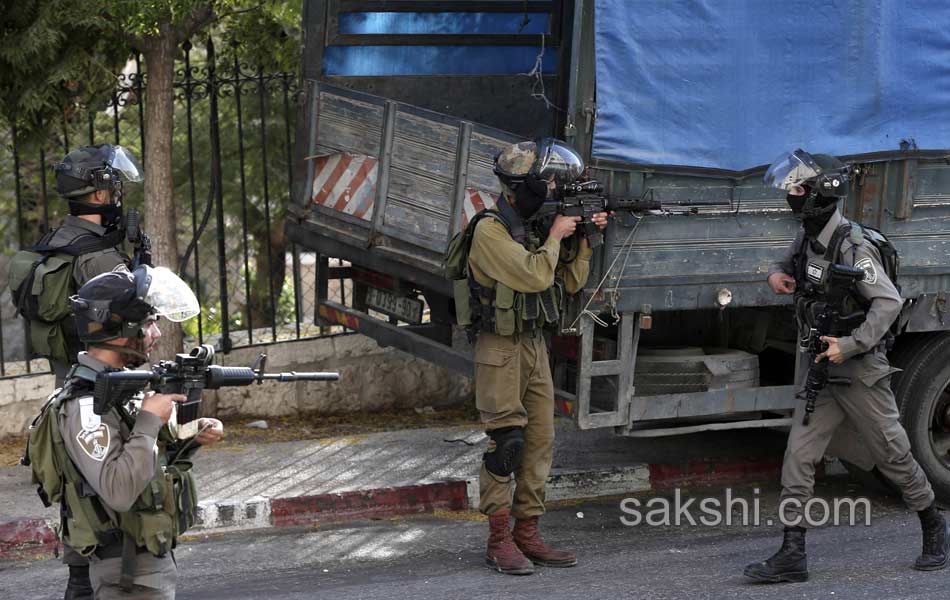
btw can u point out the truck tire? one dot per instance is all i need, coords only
(684, 370)
(923, 395)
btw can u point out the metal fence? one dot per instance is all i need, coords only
(233, 150)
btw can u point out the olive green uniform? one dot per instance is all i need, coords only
(867, 405)
(86, 266)
(513, 386)
(118, 464)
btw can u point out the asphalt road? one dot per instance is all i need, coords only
(441, 557)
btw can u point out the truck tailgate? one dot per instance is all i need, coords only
(389, 184)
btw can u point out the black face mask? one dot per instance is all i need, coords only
(816, 213)
(111, 213)
(797, 202)
(530, 195)
(813, 209)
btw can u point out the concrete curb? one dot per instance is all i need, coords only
(21, 538)
(462, 494)
(27, 537)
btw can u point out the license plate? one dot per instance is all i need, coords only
(404, 309)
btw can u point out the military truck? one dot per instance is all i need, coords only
(676, 331)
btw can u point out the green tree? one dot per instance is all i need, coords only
(158, 28)
(54, 69)
(49, 67)
(50, 64)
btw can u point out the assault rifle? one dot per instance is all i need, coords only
(585, 199)
(189, 374)
(836, 281)
(141, 244)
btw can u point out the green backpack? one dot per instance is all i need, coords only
(57, 479)
(455, 265)
(41, 282)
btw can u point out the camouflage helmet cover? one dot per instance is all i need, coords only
(548, 158)
(517, 159)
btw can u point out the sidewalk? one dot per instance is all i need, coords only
(407, 472)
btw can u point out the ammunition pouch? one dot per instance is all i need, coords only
(504, 311)
(497, 309)
(162, 513)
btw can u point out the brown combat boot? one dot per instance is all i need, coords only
(529, 541)
(503, 555)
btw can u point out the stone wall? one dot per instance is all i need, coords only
(371, 378)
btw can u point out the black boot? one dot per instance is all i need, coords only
(79, 587)
(936, 540)
(788, 564)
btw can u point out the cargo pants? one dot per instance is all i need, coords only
(866, 406)
(513, 388)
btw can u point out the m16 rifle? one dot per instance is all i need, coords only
(189, 374)
(141, 244)
(835, 282)
(585, 199)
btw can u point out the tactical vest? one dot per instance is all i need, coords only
(498, 309)
(807, 275)
(162, 513)
(41, 282)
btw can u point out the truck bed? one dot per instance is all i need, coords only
(389, 184)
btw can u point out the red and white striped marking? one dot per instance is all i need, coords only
(475, 202)
(346, 182)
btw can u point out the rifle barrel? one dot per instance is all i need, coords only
(633, 205)
(302, 376)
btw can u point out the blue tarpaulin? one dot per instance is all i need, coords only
(730, 84)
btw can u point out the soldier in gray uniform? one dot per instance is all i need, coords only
(859, 393)
(120, 457)
(90, 180)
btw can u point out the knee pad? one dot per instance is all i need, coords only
(505, 451)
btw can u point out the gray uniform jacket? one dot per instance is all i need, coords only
(116, 462)
(876, 287)
(95, 263)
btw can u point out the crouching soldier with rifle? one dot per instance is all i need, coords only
(116, 460)
(842, 275)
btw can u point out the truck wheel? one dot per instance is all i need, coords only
(923, 396)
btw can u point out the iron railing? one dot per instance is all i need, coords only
(233, 156)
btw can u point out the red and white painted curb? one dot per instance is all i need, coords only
(27, 538)
(462, 494)
(21, 538)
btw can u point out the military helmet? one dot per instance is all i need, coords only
(91, 168)
(823, 172)
(118, 304)
(546, 158)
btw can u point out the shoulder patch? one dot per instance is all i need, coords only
(95, 443)
(870, 271)
(89, 419)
